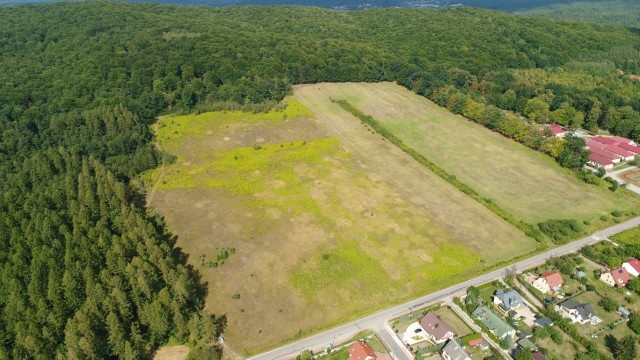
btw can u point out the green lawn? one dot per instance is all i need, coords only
(631, 236)
(528, 184)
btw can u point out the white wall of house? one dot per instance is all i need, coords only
(630, 269)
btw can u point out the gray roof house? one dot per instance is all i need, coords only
(453, 351)
(493, 322)
(543, 321)
(507, 300)
(581, 313)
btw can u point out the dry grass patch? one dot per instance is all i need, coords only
(320, 232)
(524, 182)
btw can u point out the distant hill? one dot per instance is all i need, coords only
(503, 5)
(611, 12)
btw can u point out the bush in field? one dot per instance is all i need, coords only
(561, 230)
(608, 305)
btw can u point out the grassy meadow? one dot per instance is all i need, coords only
(321, 231)
(526, 183)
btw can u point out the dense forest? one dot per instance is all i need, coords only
(86, 272)
(610, 12)
(503, 5)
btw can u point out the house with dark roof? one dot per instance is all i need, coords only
(360, 350)
(543, 321)
(430, 327)
(577, 312)
(453, 351)
(633, 266)
(437, 330)
(507, 300)
(537, 355)
(498, 327)
(616, 277)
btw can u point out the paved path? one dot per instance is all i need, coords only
(616, 177)
(377, 320)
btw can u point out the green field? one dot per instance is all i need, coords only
(325, 223)
(528, 184)
(631, 236)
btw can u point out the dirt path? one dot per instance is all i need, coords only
(152, 193)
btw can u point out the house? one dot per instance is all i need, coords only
(616, 277)
(548, 281)
(526, 344)
(633, 266)
(598, 161)
(624, 312)
(430, 327)
(543, 321)
(479, 342)
(541, 285)
(633, 148)
(453, 351)
(576, 312)
(557, 130)
(494, 323)
(605, 154)
(537, 355)
(604, 140)
(507, 300)
(437, 330)
(625, 155)
(361, 351)
(623, 140)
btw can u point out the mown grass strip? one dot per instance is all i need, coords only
(528, 229)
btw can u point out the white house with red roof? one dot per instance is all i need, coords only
(598, 161)
(623, 140)
(632, 266)
(558, 131)
(633, 148)
(548, 282)
(616, 277)
(604, 153)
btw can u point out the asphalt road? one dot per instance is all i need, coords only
(377, 321)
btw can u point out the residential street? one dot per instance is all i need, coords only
(377, 321)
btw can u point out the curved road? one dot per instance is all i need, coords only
(378, 320)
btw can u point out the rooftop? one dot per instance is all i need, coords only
(434, 325)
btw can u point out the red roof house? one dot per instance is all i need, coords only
(604, 140)
(634, 149)
(600, 161)
(633, 266)
(361, 351)
(557, 130)
(604, 153)
(626, 155)
(553, 279)
(622, 140)
(592, 143)
(476, 342)
(620, 277)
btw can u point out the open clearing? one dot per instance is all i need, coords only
(528, 184)
(321, 219)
